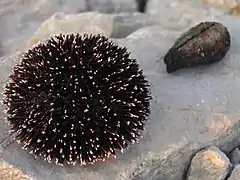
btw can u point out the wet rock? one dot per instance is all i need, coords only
(210, 164)
(88, 22)
(235, 174)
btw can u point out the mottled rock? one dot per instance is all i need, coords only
(112, 6)
(8, 172)
(210, 164)
(235, 174)
(235, 156)
(88, 22)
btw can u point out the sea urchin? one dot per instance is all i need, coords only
(76, 99)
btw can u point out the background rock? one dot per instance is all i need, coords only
(235, 173)
(209, 164)
(180, 13)
(88, 22)
(112, 6)
(235, 156)
(21, 18)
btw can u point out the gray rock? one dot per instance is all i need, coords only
(210, 164)
(88, 22)
(126, 23)
(191, 109)
(235, 156)
(235, 174)
(176, 13)
(111, 6)
(21, 18)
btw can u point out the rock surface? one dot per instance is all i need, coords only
(192, 108)
(185, 12)
(126, 23)
(8, 172)
(235, 156)
(235, 175)
(88, 22)
(111, 6)
(209, 164)
(21, 18)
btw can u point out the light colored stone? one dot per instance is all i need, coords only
(19, 19)
(142, 5)
(126, 23)
(235, 156)
(88, 22)
(222, 3)
(180, 13)
(112, 6)
(8, 172)
(210, 164)
(235, 174)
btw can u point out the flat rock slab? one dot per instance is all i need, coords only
(191, 109)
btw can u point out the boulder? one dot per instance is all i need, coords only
(88, 22)
(210, 163)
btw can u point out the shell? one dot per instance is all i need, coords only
(205, 43)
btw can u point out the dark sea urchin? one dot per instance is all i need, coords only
(77, 99)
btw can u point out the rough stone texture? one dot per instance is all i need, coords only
(235, 174)
(8, 172)
(88, 22)
(209, 164)
(110, 6)
(191, 109)
(235, 156)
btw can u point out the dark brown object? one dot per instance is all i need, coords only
(205, 43)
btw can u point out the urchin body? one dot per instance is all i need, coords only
(77, 99)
